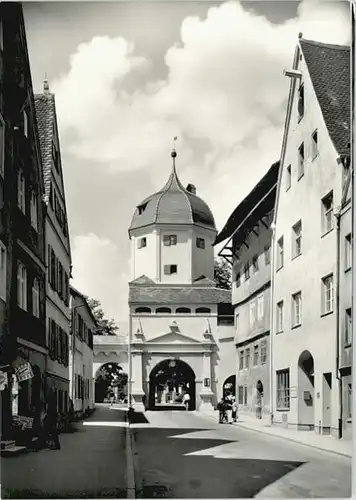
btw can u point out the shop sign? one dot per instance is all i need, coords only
(3, 380)
(23, 372)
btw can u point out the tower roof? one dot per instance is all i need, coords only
(173, 204)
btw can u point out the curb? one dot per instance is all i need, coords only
(130, 471)
(287, 438)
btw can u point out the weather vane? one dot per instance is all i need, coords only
(174, 154)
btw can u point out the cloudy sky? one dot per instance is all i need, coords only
(128, 76)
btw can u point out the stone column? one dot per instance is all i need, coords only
(206, 394)
(136, 390)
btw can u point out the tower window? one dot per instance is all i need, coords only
(183, 310)
(169, 240)
(163, 310)
(170, 269)
(143, 310)
(141, 208)
(203, 310)
(141, 243)
(200, 243)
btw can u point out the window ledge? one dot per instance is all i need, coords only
(282, 409)
(349, 420)
(327, 232)
(296, 326)
(280, 331)
(279, 268)
(326, 313)
(348, 345)
(296, 256)
(315, 156)
(348, 269)
(288, 188)
(300, 176)
(300, 118)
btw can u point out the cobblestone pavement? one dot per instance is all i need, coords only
(183, 455)
(91, 463)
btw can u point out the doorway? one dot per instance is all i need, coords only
(306, 391)
(169, 381)
(327, 382)
(229, 386)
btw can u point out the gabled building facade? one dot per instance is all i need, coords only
(306, 379)
(58, 254)
(22, 225)
(247, 236)
(83, 326)
(181, 331)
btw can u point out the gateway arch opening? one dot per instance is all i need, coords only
(169, 381)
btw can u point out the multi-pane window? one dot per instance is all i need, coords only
(301, 160)
(263, 351)
(348, 252)
(256, 353)
(247, 271)
(170, 269)
(314, 144)
(2, 145)
(252, 312)
(300, 102)
(21, 191)
(36, 298)
(279, 318)
(33, 211)
(245, 395)
(280, 252)
(297, 239)
(25, 123)
(327, 294)
(327, 205)
(247, 358)
(21, 286)
(255, 263)
(267, 252)
(348, 327)
(169, 240)
(241, 360)
(283, 390)
(141, 242)
(3, 260)
(260, 306)
(288, 177)
(240, 392)
(297, 309)
(200, 243)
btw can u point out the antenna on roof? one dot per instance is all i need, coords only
(45, 85)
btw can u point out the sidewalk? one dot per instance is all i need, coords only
(325, 443)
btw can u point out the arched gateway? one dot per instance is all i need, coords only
(169, 381)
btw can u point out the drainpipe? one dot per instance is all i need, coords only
(271, 394)
(129, 388)
(337, 214)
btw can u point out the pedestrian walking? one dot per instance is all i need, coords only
(234, 410)
(51, 424)
(112, 398)
(186, 399)
(222, 411)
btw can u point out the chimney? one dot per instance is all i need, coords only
(192, 189)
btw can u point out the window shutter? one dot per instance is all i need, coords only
(167, 269)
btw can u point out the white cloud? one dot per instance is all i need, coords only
(98, 274)
(224, 87)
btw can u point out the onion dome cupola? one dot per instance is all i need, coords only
(173, 204)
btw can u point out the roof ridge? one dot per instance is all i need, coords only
(324, 44)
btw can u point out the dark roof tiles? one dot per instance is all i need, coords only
(329, 69)
(178, 295)
(45, 114)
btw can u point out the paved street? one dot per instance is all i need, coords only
(91, 463)
(184, 455)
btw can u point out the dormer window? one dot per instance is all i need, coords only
(141, 243)
(300, 102)
(169, 240)
(141, 208)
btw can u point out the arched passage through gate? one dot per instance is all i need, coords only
(110, 377)
(169, 380)
(229, 386)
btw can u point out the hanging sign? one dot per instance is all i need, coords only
(23, 372)
(3, 380)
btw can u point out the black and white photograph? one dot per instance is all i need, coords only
(176, 249)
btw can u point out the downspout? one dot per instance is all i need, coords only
(129, 391)
(337, 337)
(271, 394)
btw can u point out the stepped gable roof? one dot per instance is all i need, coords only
(45, 115)
(329, 70)
(178, 295)
(242, 211)
(173, 204)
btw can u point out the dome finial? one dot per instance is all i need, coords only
(45, 85)
(174, 153)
